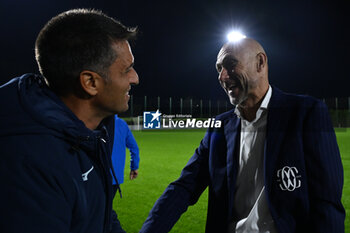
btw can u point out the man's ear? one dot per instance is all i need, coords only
(261, 61)
(90, 82)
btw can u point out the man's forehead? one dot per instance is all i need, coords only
(121, 46)
(225, 52)
(123, 51)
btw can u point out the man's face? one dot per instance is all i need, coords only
(113, 97)
(236, 74)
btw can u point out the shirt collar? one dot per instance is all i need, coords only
(266, 100)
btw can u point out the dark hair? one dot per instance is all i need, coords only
(74, 41)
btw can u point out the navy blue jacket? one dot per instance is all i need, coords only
(54, 172)
(300, 147)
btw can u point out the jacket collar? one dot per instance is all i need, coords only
(47, 109)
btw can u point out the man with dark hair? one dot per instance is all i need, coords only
(56, 129)
(273, 166)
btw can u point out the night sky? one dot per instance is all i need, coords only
(175, 53)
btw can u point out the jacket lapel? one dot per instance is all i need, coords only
(276, 127)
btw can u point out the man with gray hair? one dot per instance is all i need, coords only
(56, 129)
(273, 166)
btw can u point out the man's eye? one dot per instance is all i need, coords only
(130, 68)
(229, 65)
(219, 68)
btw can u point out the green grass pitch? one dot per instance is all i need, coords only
(163, 155)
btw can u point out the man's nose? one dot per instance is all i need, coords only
(134, 78)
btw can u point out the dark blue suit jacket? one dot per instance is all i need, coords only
(303, 173)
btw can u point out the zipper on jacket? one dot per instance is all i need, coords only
(108, 185)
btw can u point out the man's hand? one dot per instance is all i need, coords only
(133, 174)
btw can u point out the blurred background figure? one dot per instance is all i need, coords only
(123, 139)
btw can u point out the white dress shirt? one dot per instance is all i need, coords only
(250, 204)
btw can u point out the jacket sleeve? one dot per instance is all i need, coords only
(181, 193)
(324, 172)
(32, 197)
(134, 150)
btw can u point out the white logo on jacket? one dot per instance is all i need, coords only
(288, 178)
(85, 175)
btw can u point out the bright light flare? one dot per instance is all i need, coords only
(235, 36)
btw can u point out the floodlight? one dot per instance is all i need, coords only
(235, 36)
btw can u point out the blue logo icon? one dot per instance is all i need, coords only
(151, 120)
